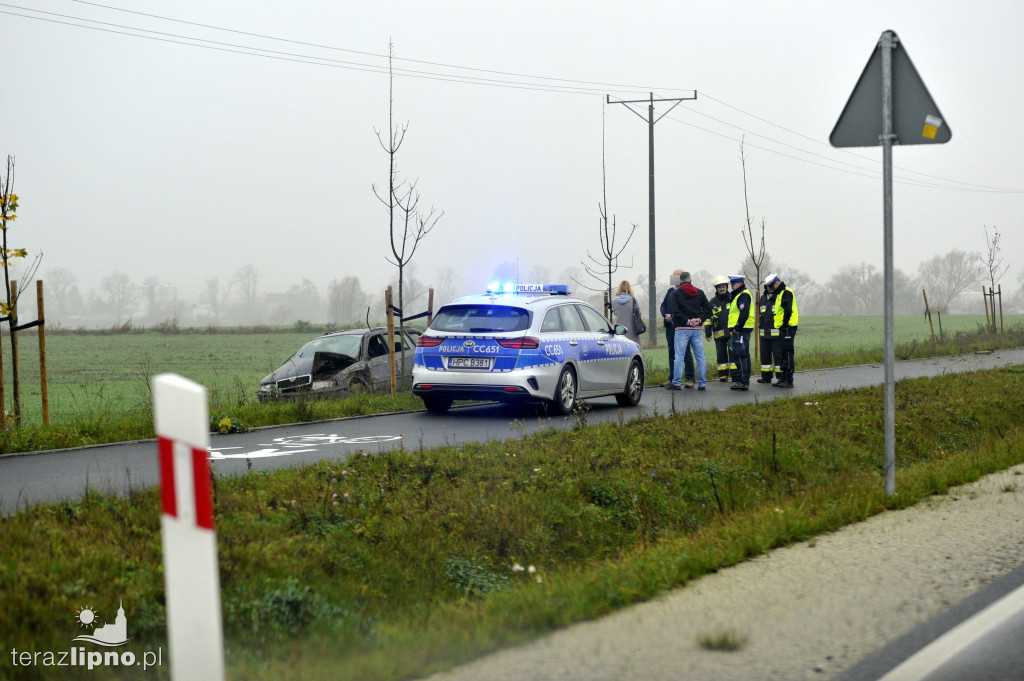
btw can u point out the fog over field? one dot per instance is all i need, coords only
(216, 162)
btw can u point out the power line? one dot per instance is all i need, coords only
(864, 158)
(532, 82)
(381, 56)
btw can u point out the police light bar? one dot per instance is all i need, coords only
(518, 289)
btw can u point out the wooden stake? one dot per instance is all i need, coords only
(988, 320)
(15, 382)
(1001, 309)
(391, 339)
(928, 311)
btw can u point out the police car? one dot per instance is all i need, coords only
(526, 343)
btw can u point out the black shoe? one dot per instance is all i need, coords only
(787, 384)
(674, 387)
(764, 380)
(739, 386)
(700, 387)
(723, 379)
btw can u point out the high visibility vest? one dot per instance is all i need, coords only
(734, 311)
(780, 314)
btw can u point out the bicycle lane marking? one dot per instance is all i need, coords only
(289, 445)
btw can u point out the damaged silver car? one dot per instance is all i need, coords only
(340, 363)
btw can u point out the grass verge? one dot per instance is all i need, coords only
(395, 565)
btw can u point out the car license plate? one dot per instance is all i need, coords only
(469, 363)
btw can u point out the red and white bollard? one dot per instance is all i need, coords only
(195, 636)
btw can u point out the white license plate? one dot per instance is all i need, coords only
(469, 363)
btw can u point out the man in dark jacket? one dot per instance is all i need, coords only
(670, 336)
(691, 314)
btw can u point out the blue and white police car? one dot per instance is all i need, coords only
(526, 343)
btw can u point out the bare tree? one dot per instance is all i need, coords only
(346, 301)
(947, 276)
(602, 269)
(248, 281)
(216, 296)
(755, 251)
(992, 259)
(60, 283)
(407, 224)
(446, 282)
(120, 294)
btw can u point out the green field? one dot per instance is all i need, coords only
(93, 375)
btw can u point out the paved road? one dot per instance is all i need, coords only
(978, 638)
(63, 474)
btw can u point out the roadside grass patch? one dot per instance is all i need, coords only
(725, 640)
(394, 565)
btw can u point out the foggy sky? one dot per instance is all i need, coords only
(160, 159)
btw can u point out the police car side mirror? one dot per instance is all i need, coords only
(620, 330)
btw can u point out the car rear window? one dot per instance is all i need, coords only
(481, 319)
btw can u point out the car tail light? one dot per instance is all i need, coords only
(428, 341)
(521, 343)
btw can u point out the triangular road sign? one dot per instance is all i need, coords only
(916, 118)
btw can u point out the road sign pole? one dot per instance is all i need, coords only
(886, 44)
(195, 636)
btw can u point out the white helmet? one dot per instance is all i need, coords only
(721, 280)
(771, 279)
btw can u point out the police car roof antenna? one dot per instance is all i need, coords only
(652, 324)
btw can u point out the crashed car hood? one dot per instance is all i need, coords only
(321, 364)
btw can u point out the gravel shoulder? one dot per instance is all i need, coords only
(807, 611)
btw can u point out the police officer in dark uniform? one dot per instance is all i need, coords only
(766, 326)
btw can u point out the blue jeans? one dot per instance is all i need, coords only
(694, 339)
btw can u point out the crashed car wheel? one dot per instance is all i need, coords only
(437, 405)
(634, 386)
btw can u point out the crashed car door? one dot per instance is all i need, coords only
(379, 361)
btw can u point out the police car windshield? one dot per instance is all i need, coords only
(481, 319)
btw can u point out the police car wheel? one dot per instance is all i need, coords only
(437, 405)
(634, 386)
(565, 392)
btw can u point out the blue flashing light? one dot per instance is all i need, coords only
(509, 288)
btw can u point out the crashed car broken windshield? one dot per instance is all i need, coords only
(337, 364)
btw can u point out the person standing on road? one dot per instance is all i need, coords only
(691, 315)
(670, 335)
(785, 319)
(625, 310)
(741, 325)
(720, 327)
(768, 332)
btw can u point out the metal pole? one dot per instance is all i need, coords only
(652, 310)
(887, 44)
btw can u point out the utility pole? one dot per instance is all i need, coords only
(652, 325)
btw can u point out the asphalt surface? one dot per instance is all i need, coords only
(40, 477)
